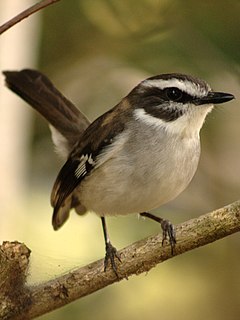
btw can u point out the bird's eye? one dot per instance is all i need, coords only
(173, 93)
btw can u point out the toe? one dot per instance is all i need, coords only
(111, 255)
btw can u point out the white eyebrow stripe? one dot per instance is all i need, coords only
(189, 87)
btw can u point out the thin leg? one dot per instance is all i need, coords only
(111, 251)
(167, 229)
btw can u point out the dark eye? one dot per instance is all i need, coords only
(173, 93)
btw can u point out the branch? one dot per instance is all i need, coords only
(137, 258)
(36, 7)
(14, 261)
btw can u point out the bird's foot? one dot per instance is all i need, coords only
(168, 231)
(111, 255)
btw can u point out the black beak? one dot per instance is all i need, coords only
(214, 98)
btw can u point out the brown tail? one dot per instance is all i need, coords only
(67, 123)
(36, 89)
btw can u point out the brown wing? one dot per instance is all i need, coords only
(82, 160)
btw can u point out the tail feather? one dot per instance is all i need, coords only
(36, 89)
(66, 122)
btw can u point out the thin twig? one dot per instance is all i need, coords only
(36, 7)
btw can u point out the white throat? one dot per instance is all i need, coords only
(188, 125)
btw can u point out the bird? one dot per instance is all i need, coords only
(134, 158)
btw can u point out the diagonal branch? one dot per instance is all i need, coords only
(136, 258)
(36, 7)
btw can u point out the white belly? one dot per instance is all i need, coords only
(141, 179)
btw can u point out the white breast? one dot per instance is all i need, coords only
(149, 168)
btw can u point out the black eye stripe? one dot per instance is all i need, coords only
(162, 95)
(164, 113)
(152, 97)
(159, 103)
(173, 93)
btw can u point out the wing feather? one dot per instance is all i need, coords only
(97, 137)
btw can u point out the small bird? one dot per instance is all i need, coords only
(134, 158)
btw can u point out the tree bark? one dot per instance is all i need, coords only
(20, 301)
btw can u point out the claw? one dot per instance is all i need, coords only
(169, 232)
(111, 254)
(167, 229)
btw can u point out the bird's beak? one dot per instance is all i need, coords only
(215, 98)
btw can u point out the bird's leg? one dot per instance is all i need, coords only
(111, 251)
(167, 229)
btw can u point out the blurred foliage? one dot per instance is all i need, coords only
(96, 51)
(153, 35)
